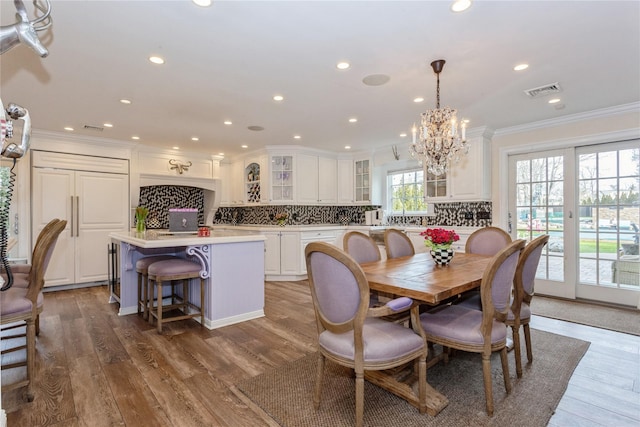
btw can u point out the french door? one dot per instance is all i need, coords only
(586, 199)
(540, 200)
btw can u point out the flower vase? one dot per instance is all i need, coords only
(442, 256)
(141, 226)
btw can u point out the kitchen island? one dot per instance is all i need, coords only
(232, 265)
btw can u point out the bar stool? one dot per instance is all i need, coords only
(142, 266)
(174, 271)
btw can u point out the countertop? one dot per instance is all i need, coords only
(163, 239)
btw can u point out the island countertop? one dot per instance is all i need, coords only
(163, 239)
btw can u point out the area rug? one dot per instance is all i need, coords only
(285, 393)
(625, 320)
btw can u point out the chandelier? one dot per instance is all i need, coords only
(437, 142)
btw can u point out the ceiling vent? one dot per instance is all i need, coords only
(94, 128)
(545, 90)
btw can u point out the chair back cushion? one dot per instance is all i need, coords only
(497, 281)
(397, 244)
(334, 288)
(487, 241)
(361, 247)
(41, 258)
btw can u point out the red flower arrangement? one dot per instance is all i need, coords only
(439, 238)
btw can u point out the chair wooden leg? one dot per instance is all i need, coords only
(517, 352)
(527, 340)
(31, 358)
(145, 285)
(38, 325)
(140, 292)
(488, 386)
(422, 385)
(318, 388)
(359, 399)
(151, 297)
(505, 369)
(159, 304)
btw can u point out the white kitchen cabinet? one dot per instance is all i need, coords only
(467, 180)
(307, 237)
(237, 183)
(362, 189)
(281, 178)
(94, 203)
(345, 181)
(317, 179)
(281, 253)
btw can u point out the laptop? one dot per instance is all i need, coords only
(183, 220)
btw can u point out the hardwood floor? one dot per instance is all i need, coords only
(96, 368)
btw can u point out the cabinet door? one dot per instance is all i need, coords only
(102, 208)
(53, 196)
(237, 183)
(345, 181)
(327, 180)
(289, 252)
(470, 178)
(307, 179)
(272, 253)
(281, 179)
(225, 184)
(362, 181)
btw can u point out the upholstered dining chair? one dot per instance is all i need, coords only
(484, 332)
(350, 333)
(22, 272)
(397, 243)
(22, 306)
(361, 247)
(487, 241)
(523, 285)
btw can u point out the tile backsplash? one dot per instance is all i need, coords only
(461, 214)
(160, 198)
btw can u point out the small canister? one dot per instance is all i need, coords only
(204, 232)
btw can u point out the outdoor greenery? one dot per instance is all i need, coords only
(407, 191)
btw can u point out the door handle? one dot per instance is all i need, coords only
(77, 216)
(72, 215)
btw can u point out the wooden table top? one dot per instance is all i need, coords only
(419, 278)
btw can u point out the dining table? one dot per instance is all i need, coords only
(421, 279)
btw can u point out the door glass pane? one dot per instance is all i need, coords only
(539, 210)
(609, 216)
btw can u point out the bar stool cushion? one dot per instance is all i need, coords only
(174, 267)
(142, 265)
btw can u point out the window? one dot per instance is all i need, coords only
(406, 191)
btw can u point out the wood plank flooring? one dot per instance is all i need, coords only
(95, 368)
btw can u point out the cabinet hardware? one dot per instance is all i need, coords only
(72, 215)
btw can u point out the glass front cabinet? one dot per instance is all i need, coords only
(362, 181)
(282, 179)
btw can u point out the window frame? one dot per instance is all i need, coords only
(418, 183)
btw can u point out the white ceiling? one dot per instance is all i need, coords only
(227, 61)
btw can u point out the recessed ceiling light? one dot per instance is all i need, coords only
(418, 99)
(460, 5)
(278, 97)
(255, 128)
(107, 125)
(125, 101)
(69, 128)
(202, 3)
(342, 65)
(353, 120)
(296, 137)
(195, 138)
(228, 122)
(220, 154)
(347, 147)
(554, 101)
(403, 135)
(135, 137)
(465, 121)
(156, 60)
(520, 67)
